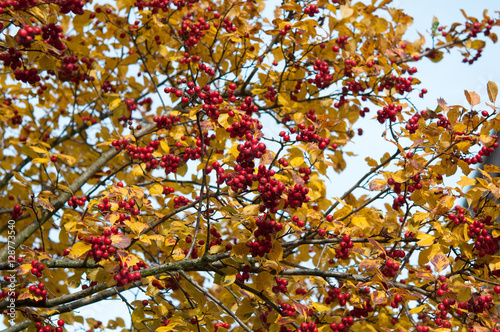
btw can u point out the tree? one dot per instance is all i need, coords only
(140, 153)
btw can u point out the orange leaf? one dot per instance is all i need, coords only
(120, 241)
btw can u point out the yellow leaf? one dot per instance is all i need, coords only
(246, 309)
(164, 146)
(276, 253)
(45, 204)
(40, 160)
(114, 104)
(156, 190)
(440, 262)
(20, 178)
(228, 279)
(296, 162)
(39, 150)
(136, 227)
(425, 239)
(361, 222)
(346, 11)
(472, 98)
(466, 181)
(416, 310)
(263, 281)
(240, 249)
(251, 210)
(378, 297)
(492, 91)
(495, 265)
(120, 241)
(69, 160)
(369, 264)
(23, 269)
(79, 249)
(464, 294)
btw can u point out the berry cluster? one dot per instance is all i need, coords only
(107, 87)
(228, 25)
(128, 275)
(443, 288)
(477, 304)
(224, 325)
(413, 124)
(389, 112)
(17, 4)
(129, 206)
(170, 163)
(305, 171)
(74, 6)
(75, 202)
(459, 216)
(296, 196)
(287, 310)
(39, 291)
(181, 201)
(355, 87)
(322, 79)
(192, 32)
(105, 206)
(443, 121)
(242, 277)
(345, 245)
(309, 135)
(335, 294)
(245, 127)
(270, 189)
(168, 190)
(195, 153)
(187, 58)
(298, 87)
(27, 76)
(16, 212)
(168, 283)
(390, 268)
(281, 286)
(466, 59)
(311, 10)
(260, 247)
(341, 42)
(37, 268)
(307, 327)
(70, 70)
(484, 151)
(101, 245)
(26, 35)
(52, 34)
(12, 58)
(48, 328)
(484, 242)
(248, 106)
(298, 222)
(343, 326)
(397, 300)
(301, 291)
(364, 311)
(165, 121)
(477, 27)
(401, 84)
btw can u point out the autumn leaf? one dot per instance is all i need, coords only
(79, 249)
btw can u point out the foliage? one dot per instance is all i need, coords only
(141, 153)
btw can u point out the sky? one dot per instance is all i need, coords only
(447, 79)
